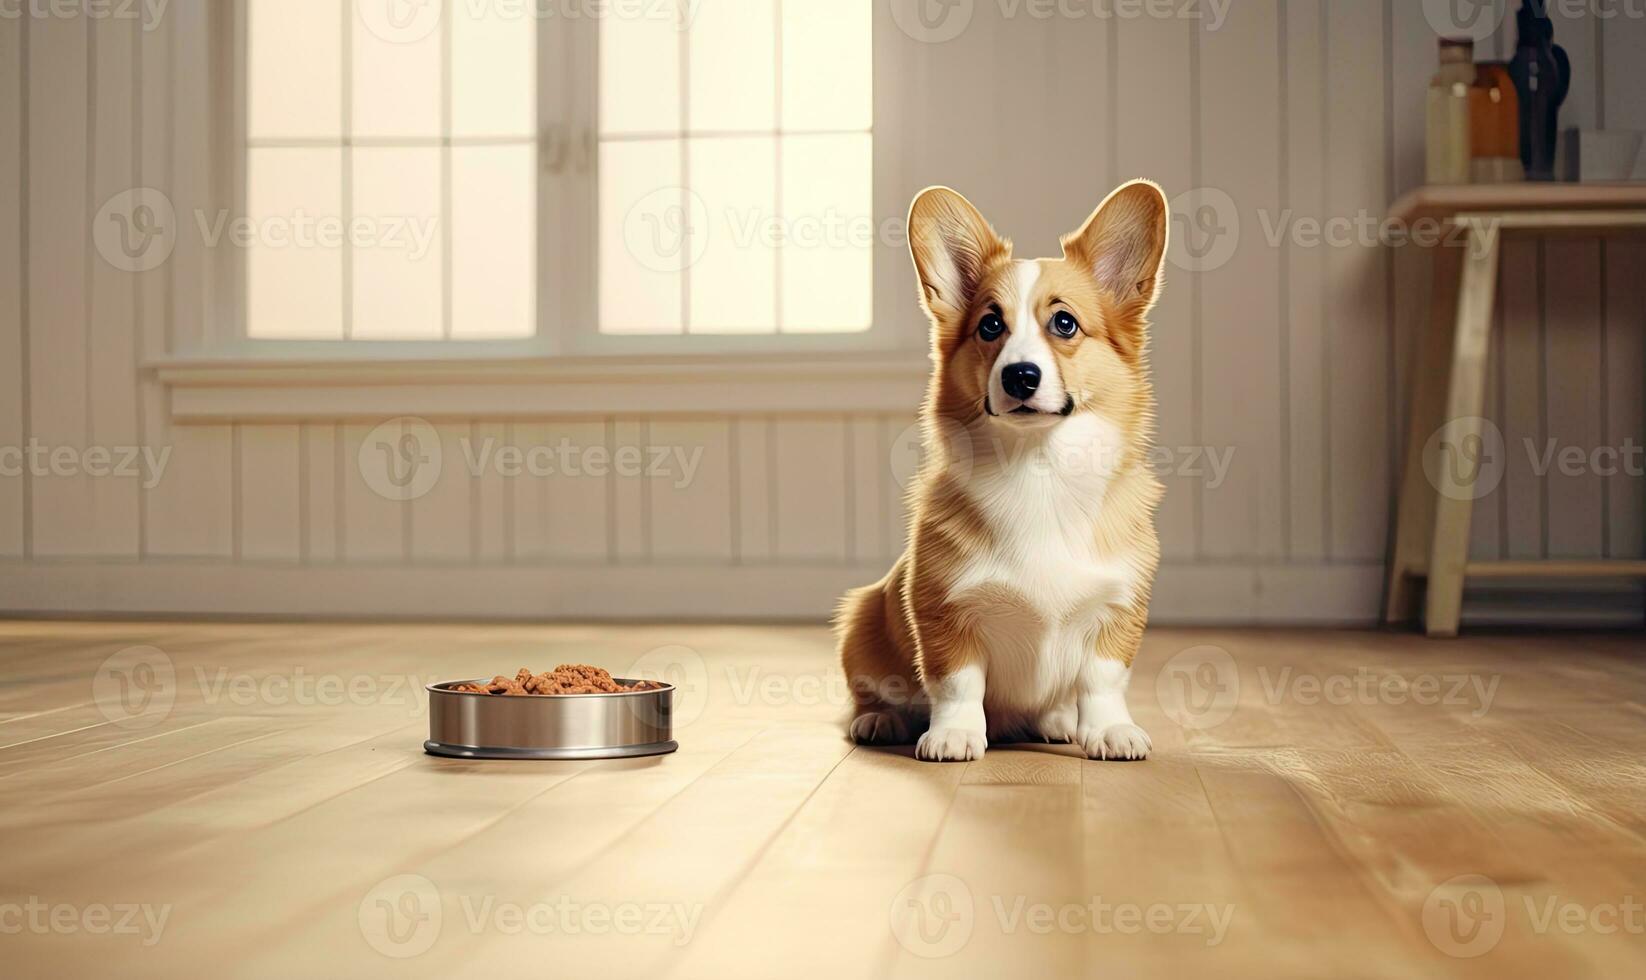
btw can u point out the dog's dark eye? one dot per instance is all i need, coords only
(991, 326)
(1064, 325)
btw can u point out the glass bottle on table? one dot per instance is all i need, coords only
(1448, 137)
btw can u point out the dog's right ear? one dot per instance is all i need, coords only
(952, 247)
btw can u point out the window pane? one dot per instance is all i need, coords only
(293, 71)
(494, 70)
(494, 241)
(396, 81)
(734, 280)
(294, 261)
(396, 255)
(828, 253)
(733, 82)
(645, 224)
(827, 65)
(640, 69)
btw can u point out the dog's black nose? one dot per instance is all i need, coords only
(1021, 380)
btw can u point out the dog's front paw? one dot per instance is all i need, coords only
(951, 745)
(880, 728)
(1116, 742)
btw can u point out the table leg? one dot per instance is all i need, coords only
(1460, 439)
(1415, 513)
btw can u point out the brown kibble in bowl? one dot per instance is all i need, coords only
(564, 679)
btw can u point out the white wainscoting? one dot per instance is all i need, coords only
(1292, 356)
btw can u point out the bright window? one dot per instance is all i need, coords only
(735, 169)
(391, 171)
(720, 181)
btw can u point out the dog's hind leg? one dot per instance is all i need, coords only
(879, 670)
(1058, 722)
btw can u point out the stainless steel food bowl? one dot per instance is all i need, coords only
(553, 726)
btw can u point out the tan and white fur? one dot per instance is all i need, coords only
(1020, 602)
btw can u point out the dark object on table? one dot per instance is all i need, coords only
(1542, 75)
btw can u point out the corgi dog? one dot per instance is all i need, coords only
(1020, 602)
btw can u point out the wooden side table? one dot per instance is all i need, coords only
(1449, 384)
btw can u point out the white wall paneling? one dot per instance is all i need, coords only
(1292, 355)
(1302, 393)
(1358, 330)
(111, 335)
(1237, 314)
(269, 518)
(1155, 131)
(13, 236)
(59, 265)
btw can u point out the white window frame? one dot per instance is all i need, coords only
(567, 289)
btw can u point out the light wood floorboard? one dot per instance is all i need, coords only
(1323, 804)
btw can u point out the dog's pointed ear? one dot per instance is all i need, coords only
(952, 247)
(1123, 242)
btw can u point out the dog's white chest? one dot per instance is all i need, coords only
(1047, 555)
(1041, 589)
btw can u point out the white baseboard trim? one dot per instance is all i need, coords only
(1185, 595)
(347, 386)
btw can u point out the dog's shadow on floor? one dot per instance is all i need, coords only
(1027, 750)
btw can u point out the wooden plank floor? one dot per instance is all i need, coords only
(1318, 804)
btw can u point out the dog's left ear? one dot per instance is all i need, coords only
(1123, 243)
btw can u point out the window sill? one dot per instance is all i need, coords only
(217, 389)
